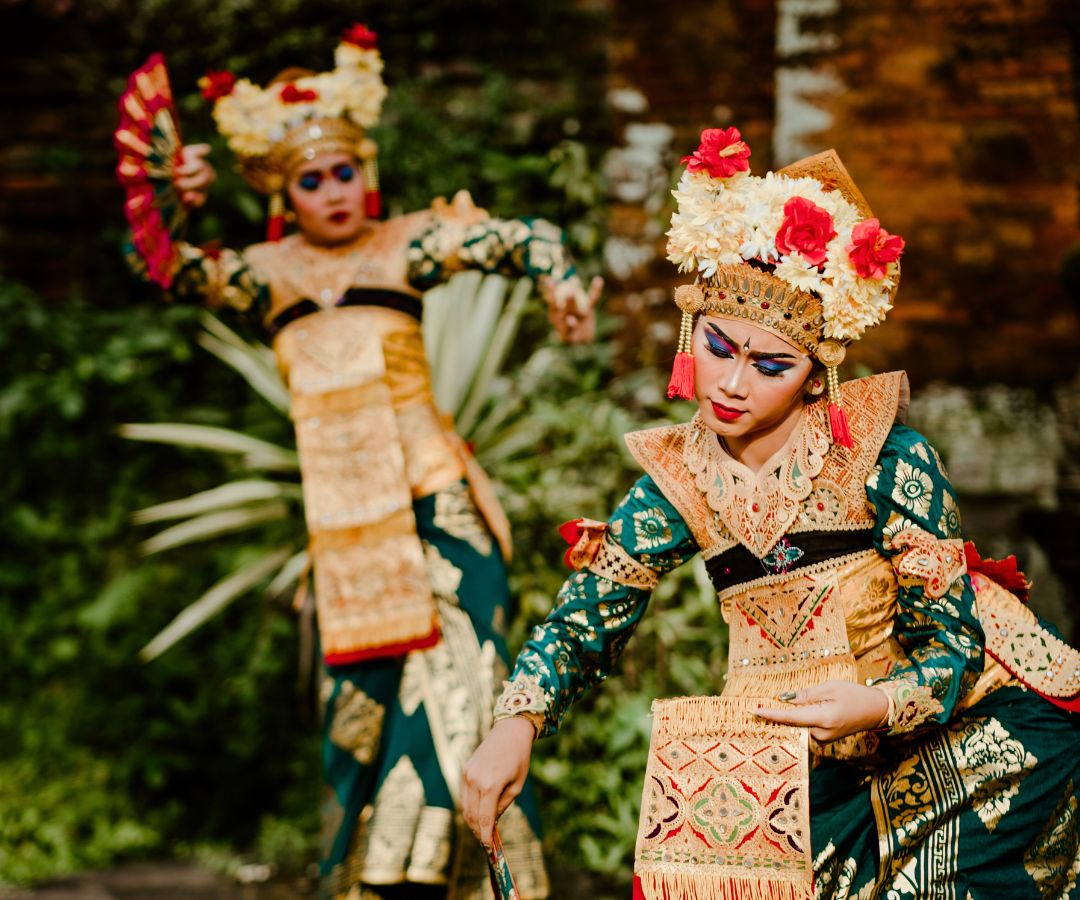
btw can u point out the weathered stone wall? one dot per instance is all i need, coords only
(957, 118)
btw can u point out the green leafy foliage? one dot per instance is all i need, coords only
(213, 745)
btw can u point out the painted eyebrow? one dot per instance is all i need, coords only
(754, 354)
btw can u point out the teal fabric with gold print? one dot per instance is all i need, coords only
(982, 804)
(397, 732)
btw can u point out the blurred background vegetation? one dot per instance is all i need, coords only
(211, 751)
(574, 110)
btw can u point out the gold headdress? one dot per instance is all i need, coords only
(796, 252)
(273, 129)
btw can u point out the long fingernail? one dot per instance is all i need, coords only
(787, 695)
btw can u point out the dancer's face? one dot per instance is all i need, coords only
(327, 195)
(748, 381)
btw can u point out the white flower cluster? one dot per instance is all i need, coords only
(729, 221)
(254, 119)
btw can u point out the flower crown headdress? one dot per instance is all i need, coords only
(797, 252)
(273, 129)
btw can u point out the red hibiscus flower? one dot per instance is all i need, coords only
(360, 36)
(806, 230)
(292, 94)
(721, 153)
(872, 248)
(215, 85)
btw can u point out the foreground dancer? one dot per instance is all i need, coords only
(405, 531)
(895, 722)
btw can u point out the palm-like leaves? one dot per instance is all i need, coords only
(469, 326)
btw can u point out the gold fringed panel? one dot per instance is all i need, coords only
(725, 811)
(769, 685)
(667, 886)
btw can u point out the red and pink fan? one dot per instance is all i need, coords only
(148, 142)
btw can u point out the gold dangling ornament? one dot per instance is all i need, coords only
(830, 354)
(369, 160)
(690, 298)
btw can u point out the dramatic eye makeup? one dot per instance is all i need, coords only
(719, 343)
(344, 172)
(310, 181)
(769, 364)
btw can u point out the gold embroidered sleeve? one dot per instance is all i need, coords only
(917, 526)
(524, 697)
(515, 247)
(910, 705)
(598, 606)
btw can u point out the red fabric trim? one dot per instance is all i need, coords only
(1070, 704)
(1003, 571)
(570, 532)
(383, 650)
(638, 893)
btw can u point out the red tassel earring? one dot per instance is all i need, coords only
(372, 195)
(838, 420)
(682, 370)
(275, 223)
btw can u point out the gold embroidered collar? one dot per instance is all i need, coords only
(760, 507)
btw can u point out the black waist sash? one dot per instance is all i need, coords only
(793, 552)
(387, 299)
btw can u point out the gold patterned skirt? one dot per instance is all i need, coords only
(985, 807)
(398, 732)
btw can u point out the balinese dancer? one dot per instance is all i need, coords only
(895, 722)
(406, 537)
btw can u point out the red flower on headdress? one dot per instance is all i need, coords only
(806, 230)
(722, 153)
(215, 85)
(872, 248)
(360, 36)
(292, 94)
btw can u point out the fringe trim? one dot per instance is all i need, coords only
(694, 716)
(682, 377)
(766, 686)
(687, 885)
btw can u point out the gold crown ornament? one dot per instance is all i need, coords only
(797, 252)
(294, 119)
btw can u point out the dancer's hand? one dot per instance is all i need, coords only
(495, 774)
(572, 309)
(193, 175)
(832, 709)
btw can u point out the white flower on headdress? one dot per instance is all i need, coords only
(759, 245)
(798, 273)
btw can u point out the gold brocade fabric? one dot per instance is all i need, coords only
(369, 438)
(725, 811)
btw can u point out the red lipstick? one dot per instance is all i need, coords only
(726, 413)
(339, 217)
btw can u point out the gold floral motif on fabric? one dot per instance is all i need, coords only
(357, 722)
(445, 577)
(383, 841)
(807, 486)
(993, 763)
(1016, 638)
(457, 515)
(927, 561)
(915, 808)
(1053, 859)
(833, 876)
